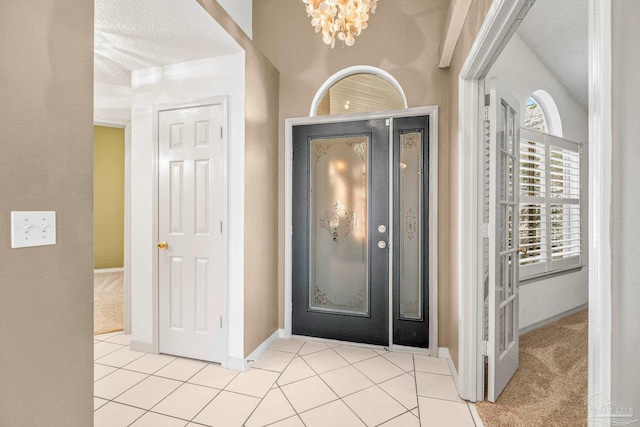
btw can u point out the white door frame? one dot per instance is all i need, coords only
(126, 125)
(222, 101)
(500, 23)
(432, 111)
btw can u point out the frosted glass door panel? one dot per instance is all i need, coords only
(411, 233)
(338, 258)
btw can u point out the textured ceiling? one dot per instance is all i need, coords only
(138, 34)
(557, 32)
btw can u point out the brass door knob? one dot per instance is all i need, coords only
(523, 251)
(163, 246)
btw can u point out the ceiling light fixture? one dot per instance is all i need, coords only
(342, 18)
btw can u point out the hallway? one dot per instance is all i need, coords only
(295, 383)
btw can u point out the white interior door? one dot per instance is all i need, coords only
(192, 270)
(504, 197)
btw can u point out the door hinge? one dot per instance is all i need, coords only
(387, 122)
(221, 321)
(484, 347)
(487, 103)
(221, 130)
(485, 230)
(220, 227)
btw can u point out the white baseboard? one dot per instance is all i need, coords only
(552, 319)
(443, 353)
(475, 415)
(282, 334)
(244, 364)
(143, 347)
(109, 270)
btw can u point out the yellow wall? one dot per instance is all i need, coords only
(108, 201)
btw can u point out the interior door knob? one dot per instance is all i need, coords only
(163, 246)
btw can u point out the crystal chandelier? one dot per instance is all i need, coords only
(342, 18)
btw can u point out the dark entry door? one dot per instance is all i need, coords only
(341, 231)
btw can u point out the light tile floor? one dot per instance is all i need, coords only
(296, 383)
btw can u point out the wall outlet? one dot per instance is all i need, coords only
(32, 228)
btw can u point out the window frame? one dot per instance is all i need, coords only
(548, 265)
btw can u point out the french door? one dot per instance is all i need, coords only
(343, 175)
(504, 215)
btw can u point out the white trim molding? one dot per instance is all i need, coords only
(600, 180)
(244, 364)
(443, 353)
(108, 270)
(432, 112)
(500, 23)
(459, 12)
(350, 71)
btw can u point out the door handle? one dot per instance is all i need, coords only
(163, 246)
(523, 251)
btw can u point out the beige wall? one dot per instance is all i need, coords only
(108, 197)
(472, 26)
(46, 293)
(403, 38)
(261, 186)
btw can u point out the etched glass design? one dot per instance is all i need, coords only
(338, 226)
(411, 225)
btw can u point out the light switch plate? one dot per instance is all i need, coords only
(33, 228)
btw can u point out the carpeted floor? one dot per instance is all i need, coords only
(550, 386)
(108, 302)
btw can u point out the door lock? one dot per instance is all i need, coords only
(163, 246)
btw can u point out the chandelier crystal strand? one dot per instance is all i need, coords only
(344, 19)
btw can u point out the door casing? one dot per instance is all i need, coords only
(223, 102)
(432, 112)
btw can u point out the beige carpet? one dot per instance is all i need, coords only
(108, 302)
(550, 386)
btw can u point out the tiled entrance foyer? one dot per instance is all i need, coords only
(295, 383)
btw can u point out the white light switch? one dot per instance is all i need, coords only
(32, 228)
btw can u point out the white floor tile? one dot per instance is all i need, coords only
(102, 348)
(101, 371)
(438, 386)
(405, 420)
(150, 363)
(120, 358)
(227, 410)
(332, 414)
(346, 380)
(148, 393)
(403, 389)
(116, 415)
(354, 354)
(308, 394)
(181, 369)
(374, 406)
(312, 347)
(402, 360)
(104, 337)
(416, 412)
(433, 365)
(325, 361)
(116, 383)
(274, 407)
(98, 403)
(289, 422)
(442, 413)
(378, 369)
(291, 345)
(253, 382)
(156, 420)
(186, 401)
(214, 376)
(297, 370)
(121, 339)
(273, 360)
